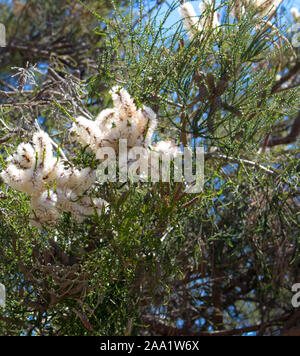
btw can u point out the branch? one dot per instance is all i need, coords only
(289, 329)
(10, 134)
(244, 161)
(161, 328)
(290, 138)
(285, 78)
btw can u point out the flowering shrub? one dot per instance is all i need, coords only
(84, 256)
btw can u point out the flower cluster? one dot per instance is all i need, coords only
(167, 148)
(263, 7)
(195, 25)
(124, 121)
(192, 23)
(53, 184)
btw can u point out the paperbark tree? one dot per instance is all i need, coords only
(157, 260)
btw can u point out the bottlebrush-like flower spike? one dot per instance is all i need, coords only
(105, 119)
(205, 21)
(79, 207)
(87, 206)
(295, 13)
(265, 7)
(164, 150)
(44, 209)
(190, 19)
(24, 157)
(81, 180)
(123, 103)
(36, 171)
(147, 124)
(65, 197)
(75, 179)
(28, 181)
(42, 145)
(61, 174)
(45, 159)
(167, 148)
(85, 131)
(238, 9)
(124, 122)
(122, 129)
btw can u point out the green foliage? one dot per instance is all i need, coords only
(156, 251)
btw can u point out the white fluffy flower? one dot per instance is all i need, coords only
(65, 197)
(28, 181)
(295, 13)
(44, 155)
(123, 102)
(86, 132)
(124, 121)
(205, 21)
(60, 174)
(74, 179)
(265, 7)
(79, 207)
(44, 209)
(167, 148)
(24, 157)
(190, 19)
(36, 171)
(164, 151)
(192, 23)
(122, 129)
(105, 118)
(88, 206)
(81, 180)
(30, 167)
(42, 145)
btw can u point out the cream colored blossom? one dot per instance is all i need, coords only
(24, 157)
(192, 23)
(167, 148)
(44, 209)
(266, 7)
(190, 19)
(28, 181)
(206, 20)
(295, 13)
(263, 7)
(35, 170)
(124, 121)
